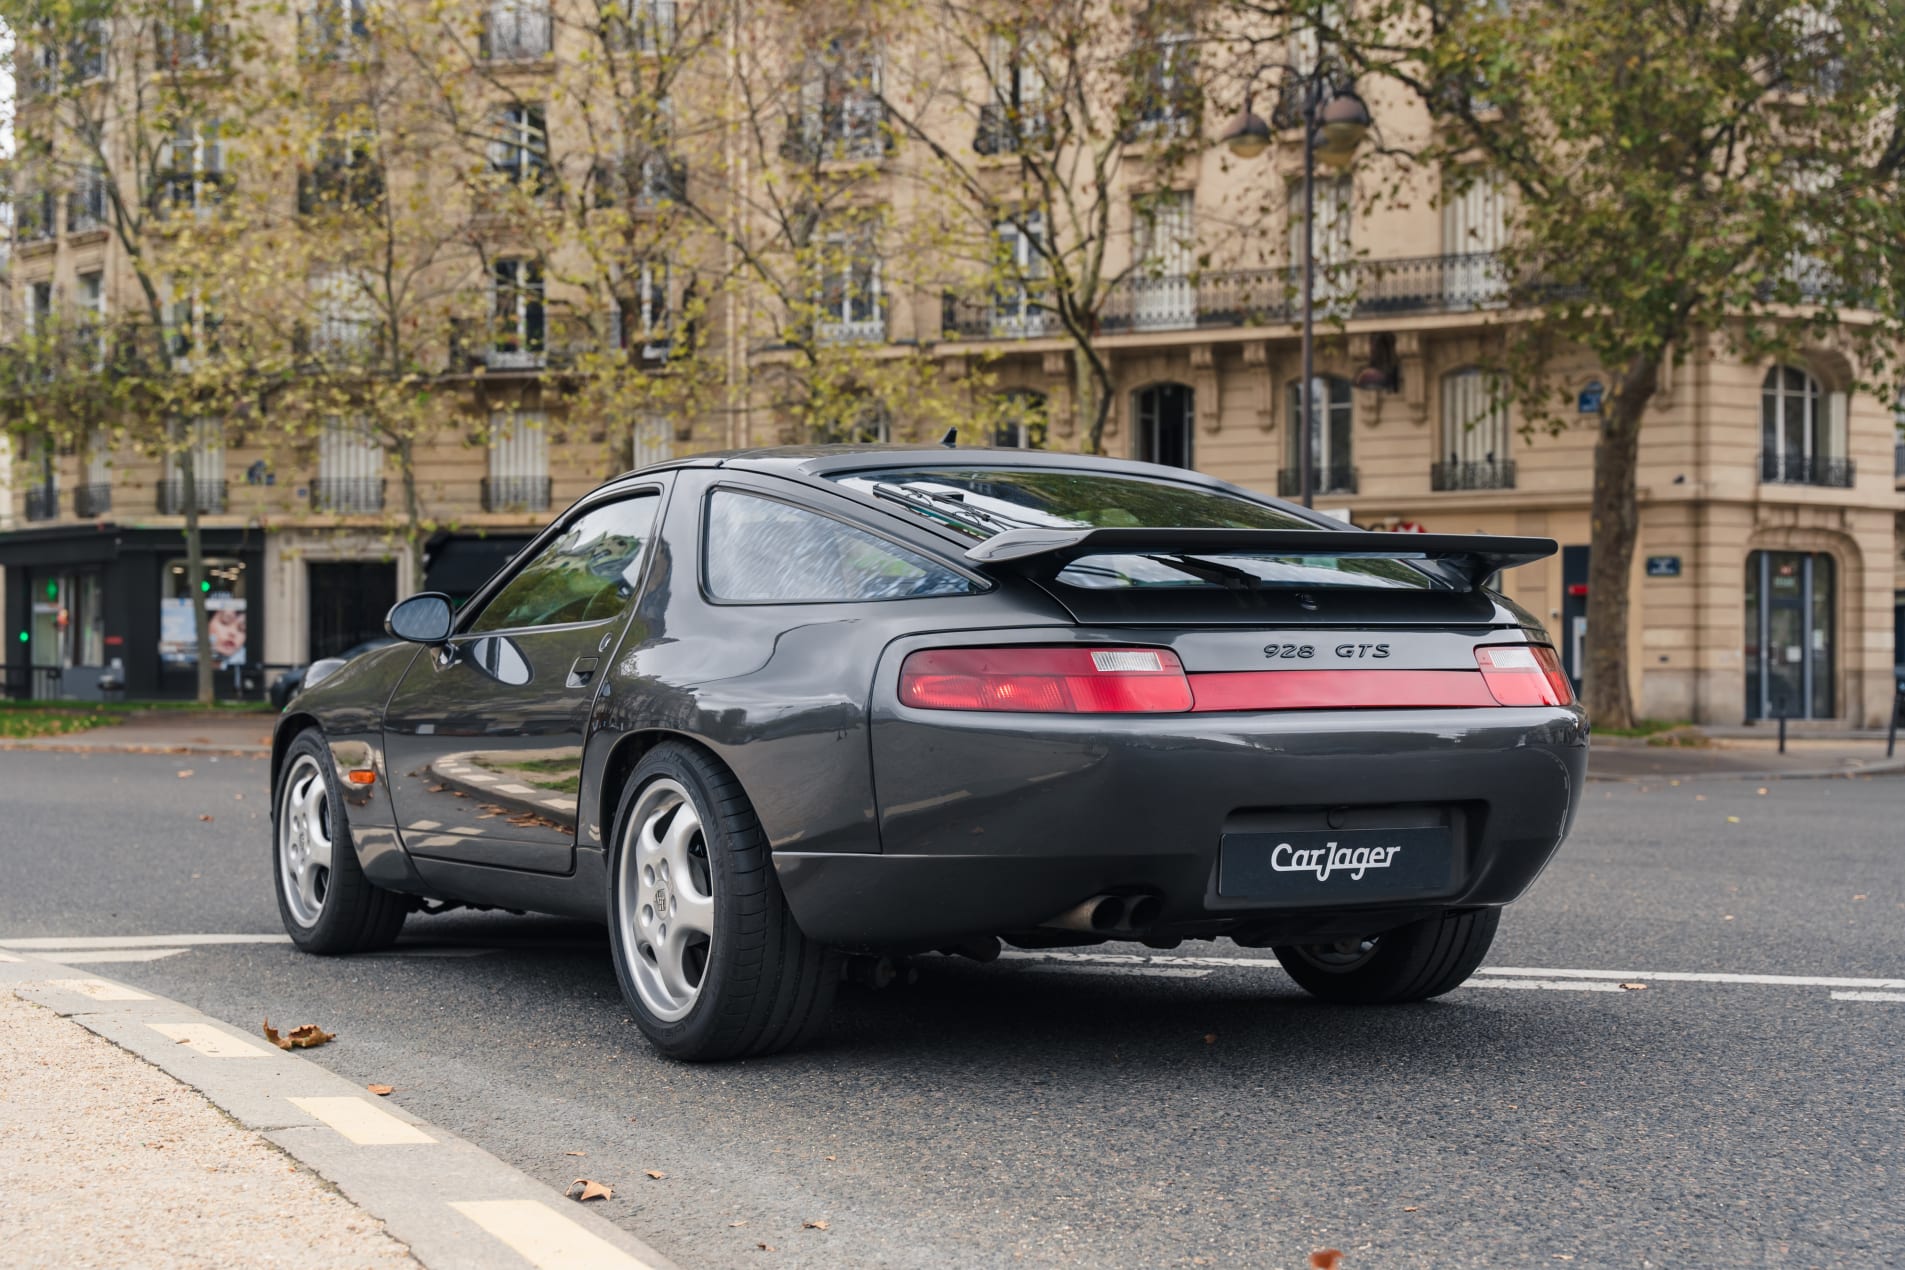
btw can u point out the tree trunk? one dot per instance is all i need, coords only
(1092, 387)
(1615, 520)
(413, 518)
(195, 573)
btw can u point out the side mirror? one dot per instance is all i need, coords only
(425, 618)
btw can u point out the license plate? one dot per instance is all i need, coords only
(1311, 866)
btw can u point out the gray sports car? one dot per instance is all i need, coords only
(769, 713)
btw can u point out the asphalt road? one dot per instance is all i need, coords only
(1078, 1113)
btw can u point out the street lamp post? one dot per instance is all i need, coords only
(1335, 121)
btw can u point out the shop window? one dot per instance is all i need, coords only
(223, 585)
(1791, 653)
(1332, 468)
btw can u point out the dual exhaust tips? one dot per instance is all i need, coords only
(1111, 915)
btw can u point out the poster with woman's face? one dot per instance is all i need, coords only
(178, 633)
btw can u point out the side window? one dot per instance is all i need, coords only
(762, 551)
(588, 572)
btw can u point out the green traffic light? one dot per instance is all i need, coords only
(205, 586)
(24, 637)
(52, 589)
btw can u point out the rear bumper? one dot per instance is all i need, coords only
(997, 825)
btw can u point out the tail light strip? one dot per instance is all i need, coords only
(1096, 680)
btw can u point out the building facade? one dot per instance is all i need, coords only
(1769, 579)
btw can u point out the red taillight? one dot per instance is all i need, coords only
(1524, 675)
(1077, 680)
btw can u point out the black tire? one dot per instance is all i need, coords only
(352, 913)
(763, 986)
(1411, 963)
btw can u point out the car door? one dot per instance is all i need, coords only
(484, 735)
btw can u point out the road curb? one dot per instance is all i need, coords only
(134, 747)
(452, 1203)
(1892, 768)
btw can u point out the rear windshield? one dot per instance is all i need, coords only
(982, 502)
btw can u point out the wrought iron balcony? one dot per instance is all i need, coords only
(853, 128)
(347, 495)
(1264, 297)
(516, 32)
(1487, 474)
(92, 500)
(515, 493)
(211, 497)
(42, 502)
(1777, 468)
(1337, 478)
(557, 341)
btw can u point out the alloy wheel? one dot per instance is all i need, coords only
(306, 841)
(665, 892)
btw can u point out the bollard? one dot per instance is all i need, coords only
(1782, 734)
(1891, 733)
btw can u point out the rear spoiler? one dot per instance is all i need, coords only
(1470, 557)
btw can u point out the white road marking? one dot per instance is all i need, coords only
(1551, 985)
(57, 942)
(88, 956)
(545, 1238)
(362, 1123)
(1685, 976)
(515, 789)
(99, 989)
(210, 1041)
(8, 957)
(1161, 972)
(1868, 996)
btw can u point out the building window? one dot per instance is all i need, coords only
(197, 449)
(1474, 434)
(94, 498)
(1021, 422)
(519, 150)
(1802, 440)
(517, 29)
(341, 173)
(851, 303)
(333, 30)
(651, 441)
(35, 214)
(651, 25)
(225, 617)
(1164, 252)
(519, 328)
(88, 206)
(39, 309)
(1016, 118)
(344, 324)
(1332, 468)
(1169, 98)
(518, 477)
(642, 316)
(190, 39)
(1790, 661)
(866, 422)
(1018, 301)
(1164, 432)
(191, 325)
(1331, 243)
(1474, 230)
(192, 171)
(350, 477)
(841, 113)
(91, 303)
(42, 466)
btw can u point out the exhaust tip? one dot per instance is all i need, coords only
(1107, 914)
(1143, 911)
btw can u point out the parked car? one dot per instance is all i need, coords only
(296, 679)
(767, 711)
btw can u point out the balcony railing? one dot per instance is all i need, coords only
(1334, 479)
(211, 497)
(515, 493)
(1776, 468)
(852, 329)
(852, 128)
(516, 32)
(42, 502)
(1006, 129)
(1499, 474)
(1264, 297)
(347, 495)
(559, 343)
(92, 500)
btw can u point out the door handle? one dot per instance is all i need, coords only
(582, 672)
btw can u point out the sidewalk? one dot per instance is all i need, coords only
(165, 732)
(1741, 754)
(107, 1161)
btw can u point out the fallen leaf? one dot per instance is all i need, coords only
(1727, 918)
(657, 1174)
(1699, 798)
(765, 1247)
(204, 817)
(1633, 987)
(187, 772)
(1210, 1038)
(1732, 820)
(1761, 791)
(1412, 1209)
(238, 798)
(1327, 1259)
(733, 1224)
(382, 1091)
(575, 1152)
(302, 1037)
(1858, 897)
(818, 1223)
(590, 1190)
(829, 1157)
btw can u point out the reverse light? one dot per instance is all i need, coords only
(1075, 680)
(1524, 675)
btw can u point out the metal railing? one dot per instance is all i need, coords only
(42, 502)
(92, 500)
(560, 341)
(1337, 478)
(1498, 474)
(29, 682)
(1777, 468)
(347, 495)
(516, 493)
(211, 497)
(1259, 297)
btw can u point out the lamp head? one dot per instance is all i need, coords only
(1247, 135)
(1340, 128)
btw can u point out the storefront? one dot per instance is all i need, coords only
(90, 602)
(1790, 663)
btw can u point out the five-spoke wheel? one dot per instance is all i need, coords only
(667, 899)
(327, 903)
(305, 839)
